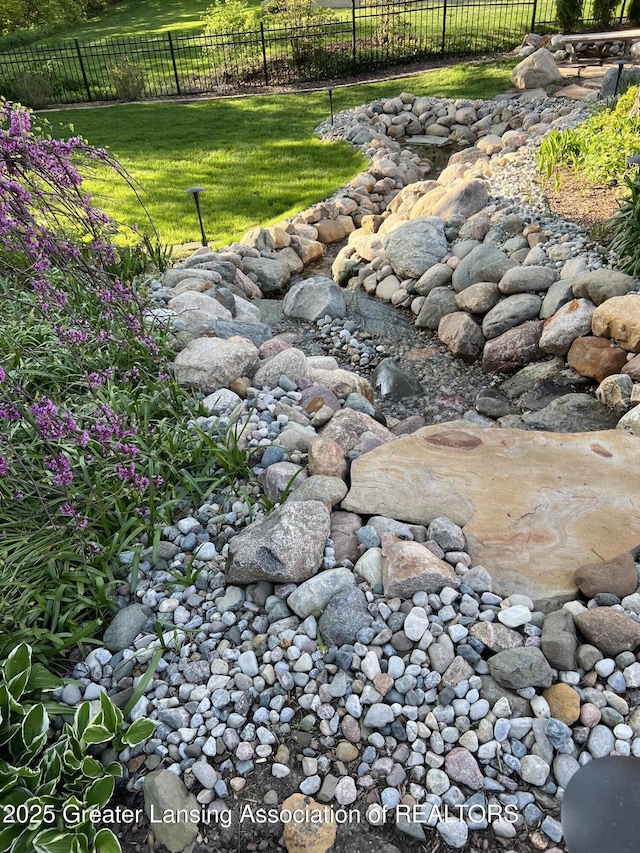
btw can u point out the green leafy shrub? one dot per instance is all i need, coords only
(625, 229)
(229, 16)
(34, 86)
(603, 12)
(599, 147)
(128, 78)
(302, 18)
(388, 21)
(633, 12)
(48, 785)
(569, 14)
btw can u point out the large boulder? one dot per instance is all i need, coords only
(213, 363)
(195, 307)
(285, 547)
(272, 274)
(533, 506)
(415, 246)
(602, 284)
(315, 297)
(464, 199)
(537, 70)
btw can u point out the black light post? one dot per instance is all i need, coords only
(330, 89)
(620, 64)
(195, 192)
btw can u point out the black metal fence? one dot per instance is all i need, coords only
(368, 36)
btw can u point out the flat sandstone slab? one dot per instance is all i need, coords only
(534, 506)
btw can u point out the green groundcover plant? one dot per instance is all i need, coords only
(599, 147)
(52, 785)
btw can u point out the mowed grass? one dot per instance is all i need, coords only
(136, 18)
(257, 157)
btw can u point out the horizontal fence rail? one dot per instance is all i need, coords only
(369, 35)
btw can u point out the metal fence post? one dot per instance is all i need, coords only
(354, 40)
(84, 73)
(264, 55)
(533, 16)
(444, 28)
(173, 62)
(622, 10)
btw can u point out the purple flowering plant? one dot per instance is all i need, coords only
(93, 436)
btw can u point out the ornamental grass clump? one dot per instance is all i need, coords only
(93, 433)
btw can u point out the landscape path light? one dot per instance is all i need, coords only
(195, 192)
(330, 90)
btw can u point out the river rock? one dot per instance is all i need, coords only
(439, 302)
(558, 295)
(610, 631)
(165, 793)
(568, 323)
(313, 298)
(344, 615)
(617, 576)
(529, 279)
(347, 426)
(287, 546)
(290, 362)
(600, 285)
(484, 263)
(478, 298)
(415, 246)
(619, 320)
(272, 274)
(596, 358)
(408, 567)
(514, 348)
(518, 668)
(533, 507)
(461, 335)
(209, 364)
(564, 703)
(316, 833)
(571, 413)
(558, 642)
(510, 312)
(195, 308)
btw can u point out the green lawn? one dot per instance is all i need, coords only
(257, 156)
(137, 18)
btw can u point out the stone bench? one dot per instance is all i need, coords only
(587, 46)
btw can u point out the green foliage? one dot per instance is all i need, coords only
(229, 16)
(598, 148)
(47, 785)
(388, 21)
(128, 78)
(32, 86)
(625, 229)
(603, 12)
(569, 14)
(27, 14)
(302, 17)
(633, 12)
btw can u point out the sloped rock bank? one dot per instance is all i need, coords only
(379, 641)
